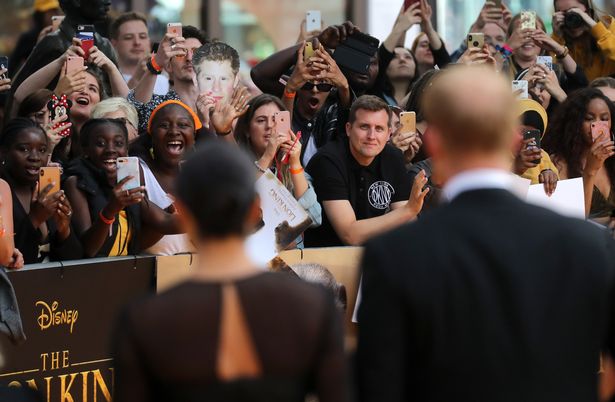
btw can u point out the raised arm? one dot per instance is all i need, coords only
(355, 232)
(94, 230)
(170, 46)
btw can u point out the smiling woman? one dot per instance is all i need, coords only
(171, 138)
(41, 217)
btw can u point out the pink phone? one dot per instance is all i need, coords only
(73, 63)
(282, 121)
(598, 128)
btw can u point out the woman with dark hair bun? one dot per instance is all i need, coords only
(242, 334)
(577, 153)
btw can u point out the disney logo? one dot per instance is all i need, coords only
(51, 315)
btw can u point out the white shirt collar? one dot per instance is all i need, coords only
(478, 179)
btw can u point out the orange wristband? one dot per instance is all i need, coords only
(289, 95)
(296, 171)
(154, 64)
(105, 220)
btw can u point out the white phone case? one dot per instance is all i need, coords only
(128, 166)
(546, 61)
(313, 21)
(523, 86)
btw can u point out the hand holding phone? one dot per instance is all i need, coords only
(175, 29)
(49, 176)
(476, 40)
(407, 121)
(600, 129)
(85, 33)
(521, 88)
(282, 122)
(533, 137)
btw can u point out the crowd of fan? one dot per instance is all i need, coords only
(364, 175)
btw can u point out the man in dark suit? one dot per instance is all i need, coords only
(486, 298)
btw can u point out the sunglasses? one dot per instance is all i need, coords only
(308, 86)
(188, 51)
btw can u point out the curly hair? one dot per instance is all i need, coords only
(564, 139)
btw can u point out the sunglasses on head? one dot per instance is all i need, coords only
(308, 86)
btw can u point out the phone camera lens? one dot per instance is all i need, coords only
(475, 44)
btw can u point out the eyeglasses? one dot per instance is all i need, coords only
(308, 86)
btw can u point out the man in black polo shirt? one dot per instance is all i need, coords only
(361, 182)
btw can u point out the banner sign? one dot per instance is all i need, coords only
(68, 312)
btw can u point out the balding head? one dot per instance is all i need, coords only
(472, 109)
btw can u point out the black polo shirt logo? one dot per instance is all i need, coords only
(380, 194)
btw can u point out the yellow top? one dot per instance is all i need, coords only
(122, 237)
(597, 65)
(545, 163)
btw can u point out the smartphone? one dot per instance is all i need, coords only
(528, 19)
(534, 137)
(308, 50)
(174, 28)
(86, 34)
(598, 128)
(4, 64)
(476, 40)
(129, 166)
(546, 61)
(407, 120)
(282, 121)
(522, 87)
(408, 3)
(49, 175)
(74, 63)
(356, 52)
(313, 21)
(498, 3)
(56, 20)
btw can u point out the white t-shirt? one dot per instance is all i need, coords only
(162, 83)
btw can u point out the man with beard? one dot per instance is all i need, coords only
(175, 56)
(321, 106)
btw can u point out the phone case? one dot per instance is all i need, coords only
(476, 40)
(282, 121)
(129, 166)
(308, 51)
(535, 136)
(73, 63)
(86, 29)
(174, 28)
(598, 128)
(4, 64)
(356, 52)
(312, 21)
(546, 61)
(521, 85)
(528, 20)
(407, 121)
(86, 45)
(48, 175)
(408, 3)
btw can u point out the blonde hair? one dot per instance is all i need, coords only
(110, 105)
